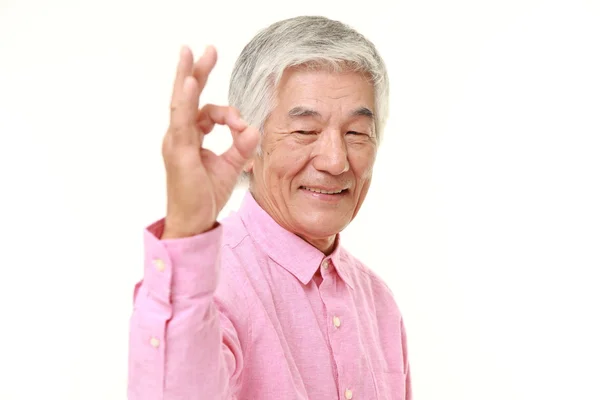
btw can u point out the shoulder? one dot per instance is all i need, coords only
(365, 275)
(240, 258)
(371, 287)
(378, 297)
(234, 231)
(235, 266)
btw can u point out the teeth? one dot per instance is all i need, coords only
(322, 191)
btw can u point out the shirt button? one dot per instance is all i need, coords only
(159, 264)
(154, 342)
(348, 394)
(336, 322)
(325, 264)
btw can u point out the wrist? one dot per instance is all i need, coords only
(174, 231)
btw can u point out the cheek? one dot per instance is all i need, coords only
(362, 163)
(287, 160)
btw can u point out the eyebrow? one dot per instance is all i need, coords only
(298, 112)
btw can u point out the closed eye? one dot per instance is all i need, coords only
(355, 133)
(306, 132)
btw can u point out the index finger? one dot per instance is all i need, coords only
(184, 91)
(212, 114)
(184, 68)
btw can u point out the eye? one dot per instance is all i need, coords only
(355, 133)
(305, 132)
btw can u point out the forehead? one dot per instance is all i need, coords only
(323, 88)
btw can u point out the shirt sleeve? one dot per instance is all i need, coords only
(182, 343)
(408, 383)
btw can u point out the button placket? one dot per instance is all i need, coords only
(154, 342)
(336, 321)
(159, 264)
(348, 394)
(335, 330)
(325, 264)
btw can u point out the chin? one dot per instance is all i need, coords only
(322, 226)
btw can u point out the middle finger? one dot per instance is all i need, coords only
(211, 114)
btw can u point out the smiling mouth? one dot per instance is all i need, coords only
(323, 191)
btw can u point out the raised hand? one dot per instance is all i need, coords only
(199, 183)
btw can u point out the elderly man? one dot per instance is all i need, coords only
(267, 304)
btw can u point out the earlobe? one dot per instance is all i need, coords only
(248, 166)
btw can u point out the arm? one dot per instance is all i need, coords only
(408, 382)
(183, 344)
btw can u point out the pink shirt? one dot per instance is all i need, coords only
(238, 313)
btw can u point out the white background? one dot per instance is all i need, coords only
(483, 216)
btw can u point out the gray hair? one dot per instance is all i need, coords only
(311, 41)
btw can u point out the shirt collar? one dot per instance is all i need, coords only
(297, 256)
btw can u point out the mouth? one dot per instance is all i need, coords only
(328, 191)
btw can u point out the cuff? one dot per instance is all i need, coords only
(181, 267)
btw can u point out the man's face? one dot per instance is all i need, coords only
(318, 152)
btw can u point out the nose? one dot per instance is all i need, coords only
(332, 153)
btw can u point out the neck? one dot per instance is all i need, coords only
(326, 245)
